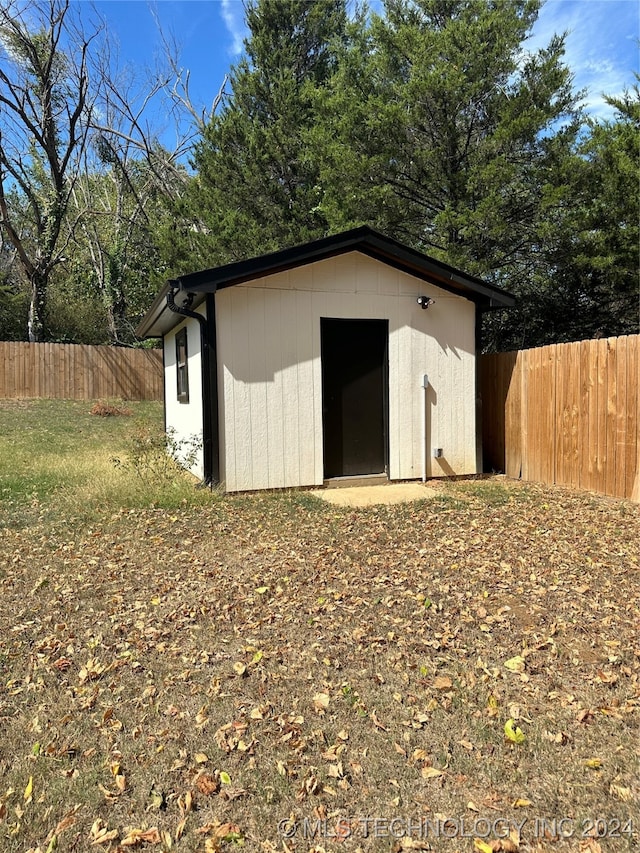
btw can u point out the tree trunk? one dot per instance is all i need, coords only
(116, 305)
(37, 307)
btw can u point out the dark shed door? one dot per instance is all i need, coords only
(354, 396)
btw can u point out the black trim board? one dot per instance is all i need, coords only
(363, 239)
(212, 397)
(478, 394)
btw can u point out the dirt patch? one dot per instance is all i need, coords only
(362, 496)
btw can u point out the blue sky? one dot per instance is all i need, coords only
(602, 45)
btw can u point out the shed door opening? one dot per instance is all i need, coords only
(354, 396)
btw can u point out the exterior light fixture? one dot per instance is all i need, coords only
(424, 302)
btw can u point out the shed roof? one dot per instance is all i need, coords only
(160, 320)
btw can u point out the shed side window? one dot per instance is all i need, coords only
(182, 369)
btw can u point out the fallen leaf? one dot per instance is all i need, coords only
(141, 836)
(180, 829)
(620, 793)
(376, 722)
(590, 845)
(208, 784)
(585, 715)
(99, 833)
(228, 832)
(431, 772)
(67, 821)
(321, 703)
(228, 793)
(157, 800)
(513, 733)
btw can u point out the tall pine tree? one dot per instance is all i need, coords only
(442, 129)
(256, 187)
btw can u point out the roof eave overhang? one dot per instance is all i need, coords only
(364, 240)
(159, 319)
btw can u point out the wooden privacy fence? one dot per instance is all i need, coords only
(565, 414)
(77, 372)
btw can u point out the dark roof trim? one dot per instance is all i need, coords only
(363, 239)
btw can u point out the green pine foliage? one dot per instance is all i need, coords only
(434, 121)
(587, 281)
(256, 187)
(438, 124)
(442, 111)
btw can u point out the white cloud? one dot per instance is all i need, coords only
(601, 45)
(232, 12)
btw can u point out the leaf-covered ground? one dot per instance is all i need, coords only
(460, 674)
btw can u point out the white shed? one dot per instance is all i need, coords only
(348, 356)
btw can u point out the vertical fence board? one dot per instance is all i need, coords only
(86, 372)
(567, 462)
(577, 420)
(528, 457)
(601, 446)
(535, 408)
(561, 418)
(547, 402)
(586, 380)
(619, 436)
(611, 419)
(567, 414)
(594, 367)
(22, 367)
(71, 371)
(15, 366)
(3, 381)
(632, 475)
(513, 411)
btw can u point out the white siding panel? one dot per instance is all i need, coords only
(303, 278)
(239, 418)
(402, 374)
(184, 420)
(289, 398)
(257, 380)
(395, 397)
(269, 346)
(276, 384)
(307, 397)
(388, 280)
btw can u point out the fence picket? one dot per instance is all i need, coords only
(71, 371)
(566, 414)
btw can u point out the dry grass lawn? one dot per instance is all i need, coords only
(459, 674)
